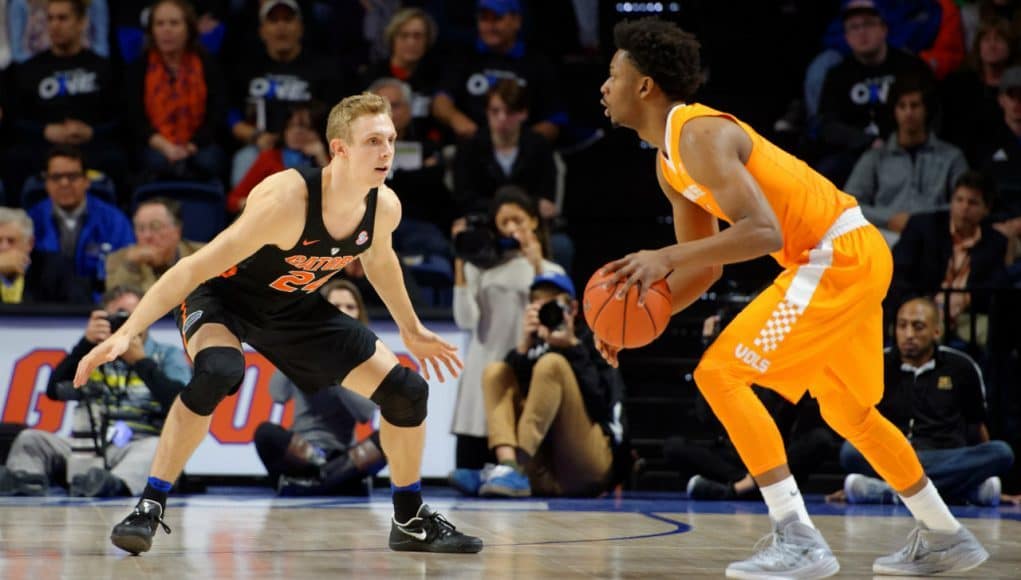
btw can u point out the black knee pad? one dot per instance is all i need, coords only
(402, 397)
(219, 371)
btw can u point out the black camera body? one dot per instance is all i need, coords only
(480, 244)
(117, 319)
(552, 314)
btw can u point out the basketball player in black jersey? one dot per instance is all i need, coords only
(256, 282)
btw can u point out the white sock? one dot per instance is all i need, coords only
(783, 498)
(930, 509)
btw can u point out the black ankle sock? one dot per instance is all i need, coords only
(406, 504)
(156, 496)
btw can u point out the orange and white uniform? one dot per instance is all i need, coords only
(818, 326)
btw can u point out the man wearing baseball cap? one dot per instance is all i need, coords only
(269, 83)
(499, 54)
(553, 407)
(998, 153)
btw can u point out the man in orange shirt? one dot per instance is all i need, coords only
(819, 325)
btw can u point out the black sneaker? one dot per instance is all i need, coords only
(704, 488)
(134, 533)
(97, 482)
(430, 532)
(32, 484)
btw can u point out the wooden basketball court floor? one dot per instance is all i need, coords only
(242, 535)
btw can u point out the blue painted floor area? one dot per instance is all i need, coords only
(633, 502)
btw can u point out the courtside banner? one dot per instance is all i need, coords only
(31, 347)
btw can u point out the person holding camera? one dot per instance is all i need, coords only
(497, 256)
(554, 406)
(118, 418)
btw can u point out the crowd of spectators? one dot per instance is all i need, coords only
(912, 107)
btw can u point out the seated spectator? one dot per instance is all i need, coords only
(74, 232)
(132, 18)
(410, 36)
(854, 112)
(117, 421)
(935, 395)
(417, 178)
(500, 54)
(953, 249)
(490, 297)
(302, 146)
(29, 21)
(175, 98)
(970, 94)
(64, 95)
(714, 470)
(270, 82)
(318, 456)
(554, 407)
(157, 224)
(16, 241)
(913, 171)
(505, 153)
(999, 151)
(930, 29)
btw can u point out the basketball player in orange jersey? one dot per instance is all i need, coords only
(819, 325)
(257, 282)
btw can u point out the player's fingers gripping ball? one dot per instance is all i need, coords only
(622, 323)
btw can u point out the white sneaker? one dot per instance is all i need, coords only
(988, 492)
(793, 550)
(930, 552)
(864, 489)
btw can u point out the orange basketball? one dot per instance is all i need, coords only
(623, 323)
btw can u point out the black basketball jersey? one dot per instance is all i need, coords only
(273, 281)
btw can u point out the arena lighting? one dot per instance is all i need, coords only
(647, 7)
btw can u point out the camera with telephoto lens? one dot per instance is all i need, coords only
(480, 244)
(553, 313)
(117, 319)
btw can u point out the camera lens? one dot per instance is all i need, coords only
(551, 314)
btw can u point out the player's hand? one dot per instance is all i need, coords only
(608, 351)
(643, 268)
(431, 350)
(105, 352)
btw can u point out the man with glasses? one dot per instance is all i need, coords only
(854, 112)
(157, 224)
(74, 232)
(63, 96)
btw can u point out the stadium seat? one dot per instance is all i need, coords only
(202, 205)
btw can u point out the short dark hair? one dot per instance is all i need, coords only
(663, 51)
(173, 206)
(69, 151)
(511, 93)
(79, 7)
(519, 196)
(982, 182)
(118, 291)
(913, 83)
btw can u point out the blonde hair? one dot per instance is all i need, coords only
(402, 17)
(344, 113)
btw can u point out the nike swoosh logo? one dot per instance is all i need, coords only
(309, 242)
(419, 535)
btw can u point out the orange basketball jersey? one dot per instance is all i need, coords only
(805, 203)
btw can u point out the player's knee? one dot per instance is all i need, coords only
(219, 371)
(851, 424)
(403, 397)
(708, 377)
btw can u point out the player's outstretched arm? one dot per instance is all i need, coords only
(264, 221)
(383, 270)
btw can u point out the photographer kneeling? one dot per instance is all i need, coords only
(554, 407)
(118, 418)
